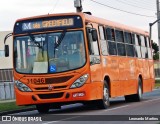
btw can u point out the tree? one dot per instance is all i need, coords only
(155, 48)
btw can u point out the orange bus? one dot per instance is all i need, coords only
(75, 57)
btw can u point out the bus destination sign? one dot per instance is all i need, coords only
(47, 24)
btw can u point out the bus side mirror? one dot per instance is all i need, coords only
(6, 49)
(94, 35)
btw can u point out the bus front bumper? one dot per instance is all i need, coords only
(87, 92)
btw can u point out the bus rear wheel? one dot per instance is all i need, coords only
(104, 103)
(135, 97)
(43, 108)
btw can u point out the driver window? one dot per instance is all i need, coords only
(94, 50)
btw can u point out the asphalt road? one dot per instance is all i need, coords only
(121, 111)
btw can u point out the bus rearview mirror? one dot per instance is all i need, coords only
(6, 49)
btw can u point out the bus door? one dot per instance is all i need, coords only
(95, 62)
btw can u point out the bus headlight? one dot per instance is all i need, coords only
(80, 81)
(22, 87)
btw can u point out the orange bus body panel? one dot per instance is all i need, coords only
(123, 72)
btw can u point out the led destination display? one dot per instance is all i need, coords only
(48, 24)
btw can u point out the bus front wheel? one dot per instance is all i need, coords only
(43, 108)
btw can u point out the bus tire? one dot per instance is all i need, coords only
(135, 97)
(104, 103)
(43, 108)
(138, 96)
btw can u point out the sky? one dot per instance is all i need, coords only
(11, 10)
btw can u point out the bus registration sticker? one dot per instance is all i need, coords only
(53, 68)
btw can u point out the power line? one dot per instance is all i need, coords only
(134, 5)
(122, 10)
(142, 2)
(54, 6)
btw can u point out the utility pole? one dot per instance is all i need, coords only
(158, 17)
(78, 5)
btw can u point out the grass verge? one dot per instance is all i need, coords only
(157, 84)
(11, 106)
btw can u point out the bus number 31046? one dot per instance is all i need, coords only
(36, 81)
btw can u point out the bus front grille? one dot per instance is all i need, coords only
(50, 96)
(58, 80)
(54, 88)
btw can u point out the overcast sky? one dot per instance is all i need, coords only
(11, 10)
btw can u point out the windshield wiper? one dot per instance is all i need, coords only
(60, 38)
(32, 38)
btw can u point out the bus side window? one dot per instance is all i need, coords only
(127, 37)
(137, 46)
(101, 32)
(120, 43)
(129, 46)
(143, 48)
(112, 47)
(119, 36)
(103, 41)
(137, 40)
(146, 42)
(149, 48)
(146, 45)
(133, 38)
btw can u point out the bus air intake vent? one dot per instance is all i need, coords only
(54, 87)
(50, 96)
(58, 80)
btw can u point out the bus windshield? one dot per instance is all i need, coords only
(49, 53)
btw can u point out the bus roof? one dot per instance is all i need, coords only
(112, 24)
(91, 18)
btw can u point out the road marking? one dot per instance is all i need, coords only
(117, 108)
(130, 105)
(150, 100)
(61, 120)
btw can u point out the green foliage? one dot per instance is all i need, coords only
(156, 56)
(155, 48)
(11, 106)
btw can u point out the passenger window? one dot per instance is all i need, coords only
(112, 48)
(148, 42)
(144, 52)
(110, 34)
(127, 37)
(137, 40)
(103, 41)
(130, 50)
(119, 36)
(133, 38)
(142, 41)
(138, 51)
(149, 53)
(101, 33)
(121, 49)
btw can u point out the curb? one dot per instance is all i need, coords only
(16, 111)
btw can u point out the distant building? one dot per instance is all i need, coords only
(6, 68)
(6, 62)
